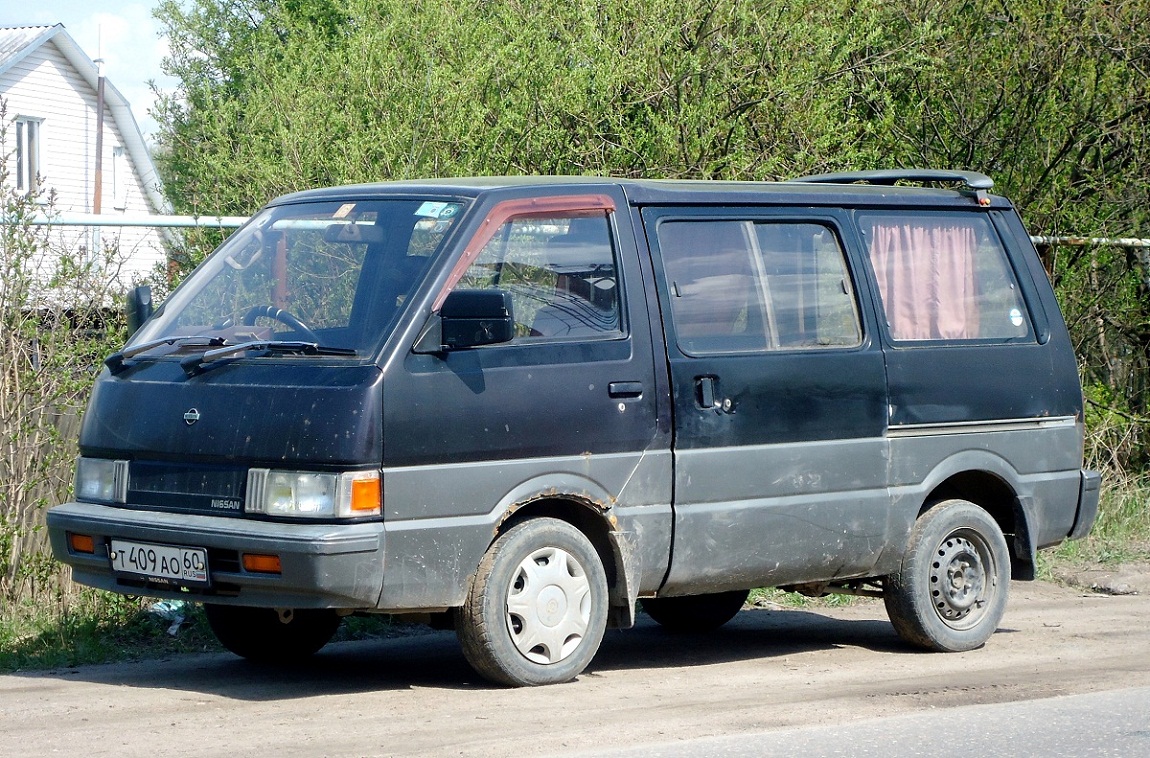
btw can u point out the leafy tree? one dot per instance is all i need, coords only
(271, 102)
(1050, 97)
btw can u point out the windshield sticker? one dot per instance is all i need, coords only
(344, 210)
(437, 210)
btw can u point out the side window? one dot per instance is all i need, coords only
(560, 272)
(944, 276)
(748, 286)
(809, 299)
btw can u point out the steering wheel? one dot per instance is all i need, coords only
(279, 314)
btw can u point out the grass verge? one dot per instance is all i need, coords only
(1120, 535)
(93, 627)
(102, 627)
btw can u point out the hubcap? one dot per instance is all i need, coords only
(959, 585)
(548, 605)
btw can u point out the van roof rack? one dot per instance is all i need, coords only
(970, 179)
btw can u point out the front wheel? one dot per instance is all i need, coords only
(537, 607)
(271, 635)
(950, 592)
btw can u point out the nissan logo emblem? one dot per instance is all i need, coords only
(191, 416)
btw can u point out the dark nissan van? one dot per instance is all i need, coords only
(521, 406)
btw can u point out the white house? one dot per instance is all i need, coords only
(50, 87)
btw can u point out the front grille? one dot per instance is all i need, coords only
(220, 559)
(202, 488)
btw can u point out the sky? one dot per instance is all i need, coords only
(123, 32)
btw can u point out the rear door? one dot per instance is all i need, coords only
(779, 399)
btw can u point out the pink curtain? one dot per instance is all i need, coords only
(925, 272)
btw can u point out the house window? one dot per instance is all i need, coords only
(27, 154)
(119, 179)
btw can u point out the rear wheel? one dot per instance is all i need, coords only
(695, 613)
(537, 608)
(271, 635)
(951, 591)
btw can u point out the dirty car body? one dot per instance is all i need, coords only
(521, 405)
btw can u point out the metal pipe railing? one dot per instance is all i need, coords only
(232, 222)
(1091, 241)
(140, 219)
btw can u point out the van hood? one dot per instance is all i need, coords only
(258, 411)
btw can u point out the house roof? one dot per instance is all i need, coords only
(17, 43)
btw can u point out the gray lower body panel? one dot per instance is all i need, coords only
(1038, 460)
(441, 519)
(768, 515)
(773, 515)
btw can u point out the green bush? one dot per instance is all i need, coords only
(55, 329)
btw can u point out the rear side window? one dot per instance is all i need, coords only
(944, 277)
(560, 272)
(751, 286)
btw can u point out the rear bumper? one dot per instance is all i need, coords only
(1088, 494)
(322, 565)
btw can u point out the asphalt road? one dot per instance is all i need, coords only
(773, 682)
(1115, 723)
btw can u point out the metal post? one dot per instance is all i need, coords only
(97, 195)
(98, 191)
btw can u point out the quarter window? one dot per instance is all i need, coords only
(944, 277)
(560, 272)
(750, 286)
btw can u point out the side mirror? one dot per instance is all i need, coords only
(469, 318)
(139, 307)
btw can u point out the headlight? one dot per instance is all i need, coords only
(308, 494)
(101, 480)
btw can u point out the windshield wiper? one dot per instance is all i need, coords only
(115, 361)
(193, 363)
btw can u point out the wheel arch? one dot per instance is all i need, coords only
(991, 485)
(597, 523)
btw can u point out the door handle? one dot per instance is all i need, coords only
(625, 389)
(705, 394)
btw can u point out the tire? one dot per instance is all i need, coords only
(537, 607)
(695, 613)
(951, 591)
(267, 635)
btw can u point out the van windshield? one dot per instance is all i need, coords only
(332, 275)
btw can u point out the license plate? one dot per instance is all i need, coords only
(168, 564)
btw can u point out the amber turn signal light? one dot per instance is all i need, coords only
(365, 495)
(81, 543)
(261, 564)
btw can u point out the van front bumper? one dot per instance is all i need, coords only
(321, 565)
